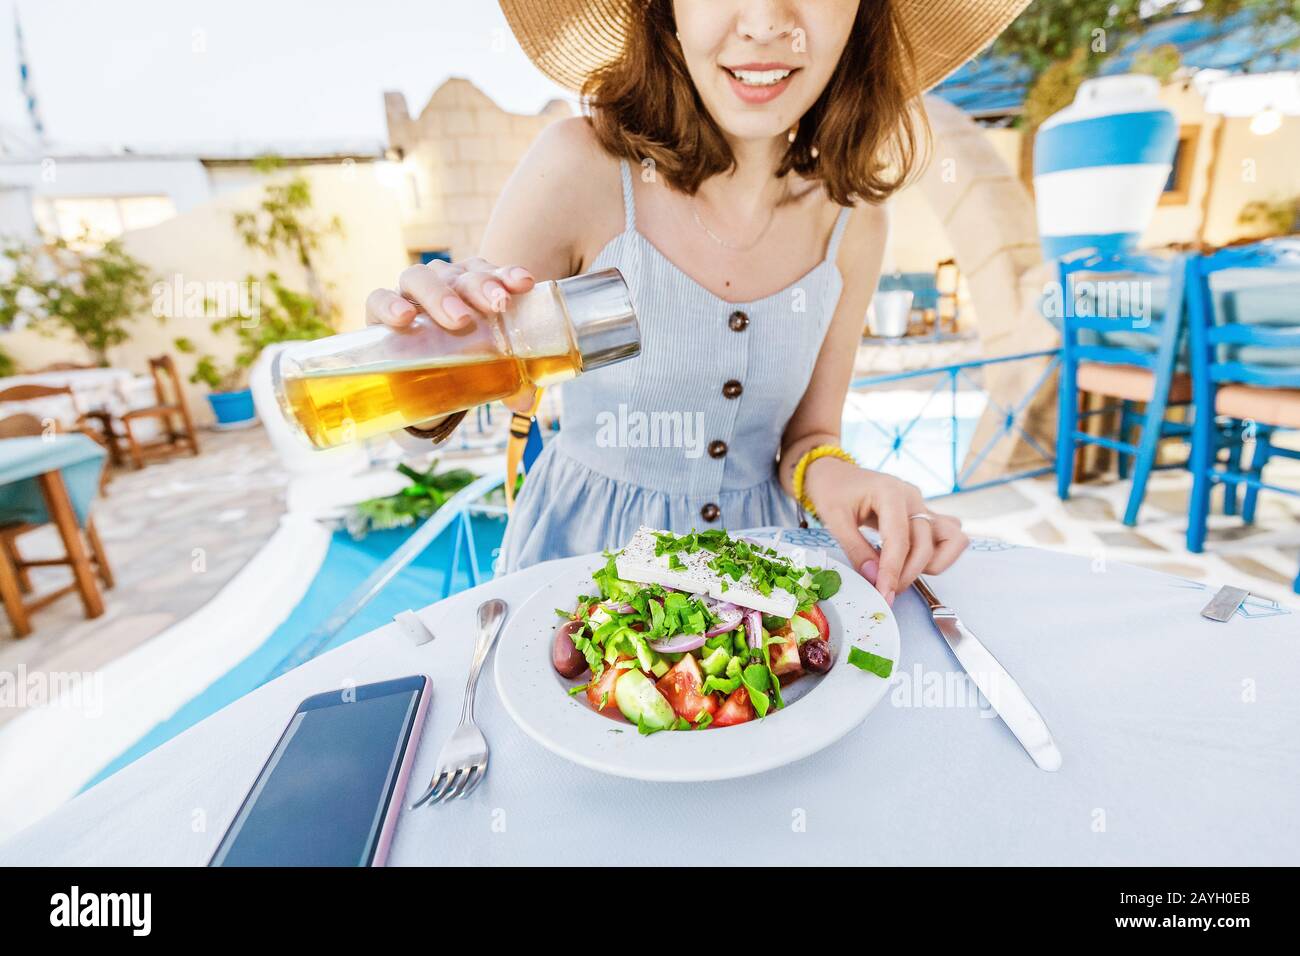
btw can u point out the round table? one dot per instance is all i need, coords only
(1178, 735)
(104, 393)
(112, 390)
(50, 479)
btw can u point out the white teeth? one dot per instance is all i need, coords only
(760, 77)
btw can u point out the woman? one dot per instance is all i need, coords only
(734, 168)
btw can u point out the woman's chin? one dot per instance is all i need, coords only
(753, 125)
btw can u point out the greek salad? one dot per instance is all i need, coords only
(687, 632)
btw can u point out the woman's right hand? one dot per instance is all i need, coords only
(452, 294)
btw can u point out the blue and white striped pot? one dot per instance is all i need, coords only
(1101, 164)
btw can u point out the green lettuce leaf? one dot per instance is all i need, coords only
(873, 663)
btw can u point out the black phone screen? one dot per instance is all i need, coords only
(324, 795)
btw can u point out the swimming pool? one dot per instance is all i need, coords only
(346, 562)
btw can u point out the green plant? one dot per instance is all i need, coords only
(1056, 86)
(1051, 33)
(1054, 89)
(93, 294)
(7, 364)
(1162, 62)
(282, 223)
(1267, 218)
(283, 316)
(417, 501)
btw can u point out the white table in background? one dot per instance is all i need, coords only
(1179, 737)
(112, 390)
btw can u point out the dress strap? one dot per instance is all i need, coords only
(842, 220)
(629, 203)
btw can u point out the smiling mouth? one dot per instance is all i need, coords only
(759, 78)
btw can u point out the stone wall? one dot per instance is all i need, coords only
(454, 159)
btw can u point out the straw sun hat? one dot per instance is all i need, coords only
(568, 39)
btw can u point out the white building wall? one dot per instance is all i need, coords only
(183, 180)
(16, 213)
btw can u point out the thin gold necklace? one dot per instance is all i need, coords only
(727, 243)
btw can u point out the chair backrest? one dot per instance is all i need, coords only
(1121, 308)
(166, 381)
(21, 425)
(28, 392)
(33, 392)
(1244, 314)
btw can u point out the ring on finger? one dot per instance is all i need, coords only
(922, 515)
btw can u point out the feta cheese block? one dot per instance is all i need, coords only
(638, 562)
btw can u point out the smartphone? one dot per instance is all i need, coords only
(330, 792)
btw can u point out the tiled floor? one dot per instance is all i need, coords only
(174, 532)
(1261, 558)
(179, 530)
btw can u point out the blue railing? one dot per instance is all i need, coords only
(455, 513)
(906, 449)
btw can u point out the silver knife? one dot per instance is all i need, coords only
(998, 687)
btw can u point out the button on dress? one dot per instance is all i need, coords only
(685, 435)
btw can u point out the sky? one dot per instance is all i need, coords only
(228, 72)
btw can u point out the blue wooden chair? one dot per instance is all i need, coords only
(1112, 344)
(1245, 367)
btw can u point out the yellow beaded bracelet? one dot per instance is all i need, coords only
(810, 456)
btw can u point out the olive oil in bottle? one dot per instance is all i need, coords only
(353, 386)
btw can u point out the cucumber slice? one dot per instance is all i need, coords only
(646, 656)
(803, 629)
(640, 702)
(715, 663)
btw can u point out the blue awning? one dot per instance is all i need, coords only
(995, 86)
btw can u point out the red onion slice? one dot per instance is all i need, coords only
(754, 629)
(731, 618)
(678, 643)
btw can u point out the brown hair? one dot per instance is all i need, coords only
(863, 125)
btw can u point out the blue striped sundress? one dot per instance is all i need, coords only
(686, 434)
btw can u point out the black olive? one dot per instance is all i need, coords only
(567, 660)
(815, 655)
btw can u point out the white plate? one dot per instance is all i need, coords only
(818, 711)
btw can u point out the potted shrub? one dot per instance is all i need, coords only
(229, 395)
(283, 316)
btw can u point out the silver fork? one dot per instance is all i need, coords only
(463, 762)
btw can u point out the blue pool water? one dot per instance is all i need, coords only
(347, 562)
(923, 455)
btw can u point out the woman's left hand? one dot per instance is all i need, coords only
(914, 539)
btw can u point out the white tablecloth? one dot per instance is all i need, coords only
(113, 390)
(1179, 737)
